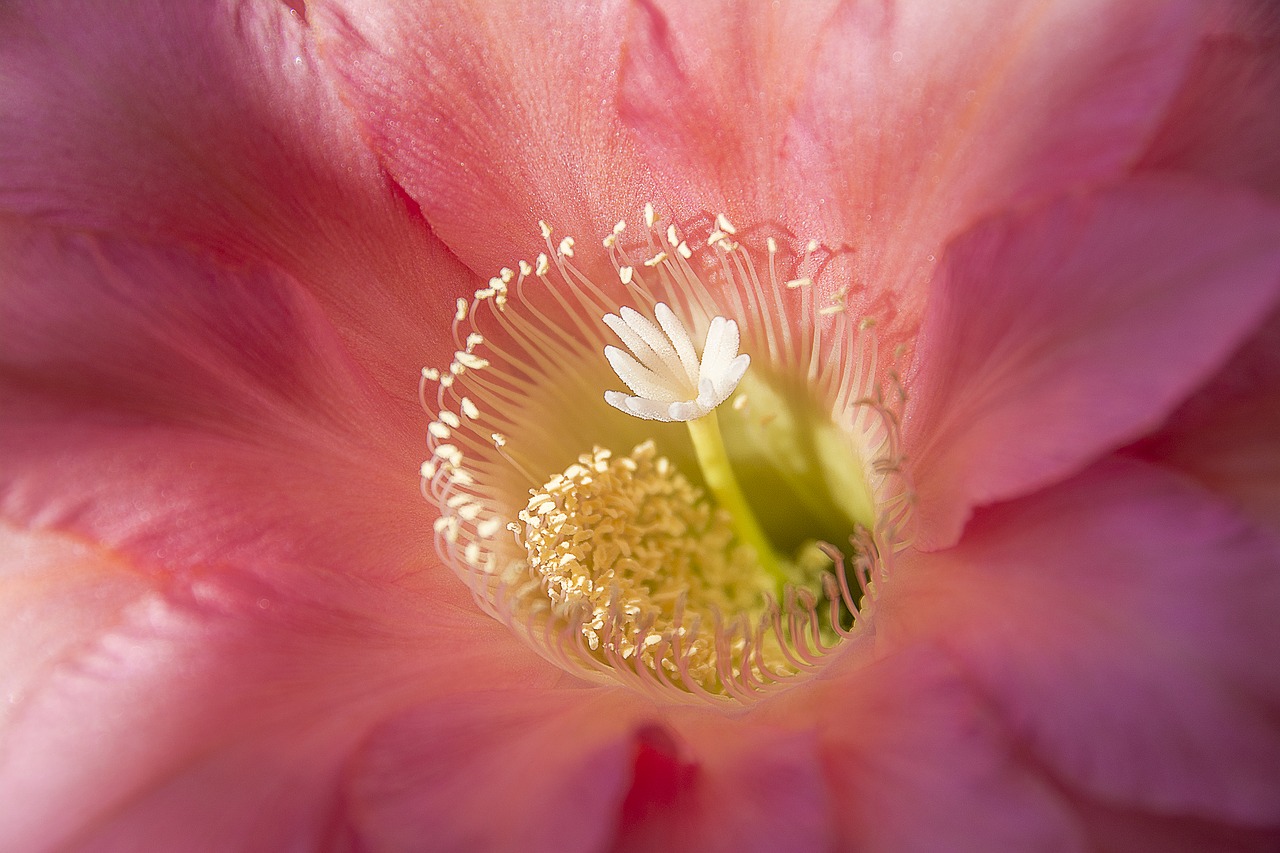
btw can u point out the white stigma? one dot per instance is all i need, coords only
(664, 372)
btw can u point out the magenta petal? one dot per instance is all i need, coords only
(183, 412)
(1123, 625)
(1225, 122)
(1225, 435)
(500, 770)
(493, 115)
(1055, 335)
(725, 786)
(916, 760)
(208, 124)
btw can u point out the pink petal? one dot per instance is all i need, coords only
(730, 785)
(1226, 434)
(1123, 625)
(536, 771)
(1224, 122)
(57, 595)
(208, 124)
(1057, 334)
(711, 90)
(584, 769)
(182, 412)
(493, 115)
(1111, 828)
(885, 129)
(916, 760)
(207, 713)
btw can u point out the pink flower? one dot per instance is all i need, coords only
(234, 233)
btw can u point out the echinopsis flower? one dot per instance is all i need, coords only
(849, 426)
(681, 560)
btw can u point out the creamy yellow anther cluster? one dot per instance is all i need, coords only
(630, 534)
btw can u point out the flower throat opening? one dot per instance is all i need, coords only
(711, 534)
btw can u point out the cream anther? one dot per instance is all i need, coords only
(663, 370)
(469, 360)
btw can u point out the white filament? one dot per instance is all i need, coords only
(662, 369)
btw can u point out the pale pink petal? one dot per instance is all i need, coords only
(207, 712)
(1225, 121)
(1055, 335)
(916, 760)
(726, 785)
(1226, 434)
(1123, 626)
(185, 412)
(493, 115)
(495, 770)
(884, 129)
(56, 595)
(208, 124)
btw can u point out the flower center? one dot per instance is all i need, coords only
(714, 532)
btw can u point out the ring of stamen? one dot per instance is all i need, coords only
(528, 347)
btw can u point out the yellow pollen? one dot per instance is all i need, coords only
(630, 542)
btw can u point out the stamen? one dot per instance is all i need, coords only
(749, 617)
